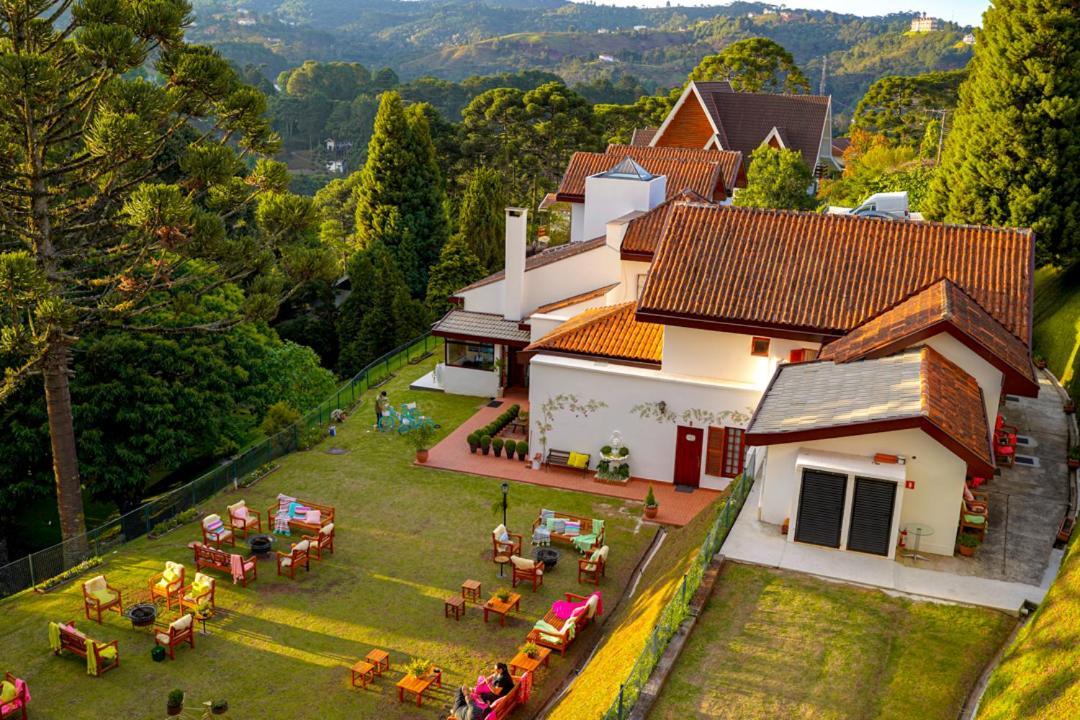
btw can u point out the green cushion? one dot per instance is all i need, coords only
(595, 556)
(975, 519)
(103, 596)
(553, 639)
(107, 653)
(545, 627)
(169, 576)
(7, 692)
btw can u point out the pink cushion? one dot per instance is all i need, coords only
(314, 517)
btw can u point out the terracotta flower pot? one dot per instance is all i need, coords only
(170, 710)
(651, 510)
(421, 456)
(967, 551)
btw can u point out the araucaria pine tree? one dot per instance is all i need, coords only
(400, 200)
(457, 267)
(1012, 156)
(120, 198)
(481, 224)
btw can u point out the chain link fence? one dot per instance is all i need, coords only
(678, 608)
(50, 562)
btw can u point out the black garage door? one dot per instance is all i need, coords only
(870, 530)
(821, 508)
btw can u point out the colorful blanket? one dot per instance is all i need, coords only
(564, 608)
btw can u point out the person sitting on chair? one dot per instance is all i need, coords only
(499, 684)
(464, 708)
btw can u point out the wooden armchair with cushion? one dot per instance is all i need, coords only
(975, 513)
(178, 632)
(298, 555)
(505, 543)
(525, 570)
(324, 541)
(243, 519)
(592, 568)
(199, 594)
(14, 696)
(99, 596)
(215, 533)
(167, 584)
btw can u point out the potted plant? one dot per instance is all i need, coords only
(421, 439)
(509, 448)
(503, 594)
(175, 704)
(1040, 361)
(522, 449)
(1073, 458)
(474, 442)
(530, 650)
(497, 445)
(967, 544)
(485, 444)
(651, 506)
(418, 667)
(219, 707)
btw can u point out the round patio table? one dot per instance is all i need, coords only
(919, 531)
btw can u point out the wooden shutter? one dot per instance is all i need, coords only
(725, 452)
(821, 508)
(714, 452)
(870, 530)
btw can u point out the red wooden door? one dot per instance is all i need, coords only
(688, 449)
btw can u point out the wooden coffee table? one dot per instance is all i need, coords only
(501, 608)
(418, 686)
(525, 664)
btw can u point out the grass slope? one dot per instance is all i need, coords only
(773, 644)
(1057, 318)
(407, 538)
(628, 630)
(1039, 677)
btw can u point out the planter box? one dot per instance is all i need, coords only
(63, 583)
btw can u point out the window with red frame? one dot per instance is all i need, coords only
(725, 452)
(759, 347)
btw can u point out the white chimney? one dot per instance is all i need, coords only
(517, 225)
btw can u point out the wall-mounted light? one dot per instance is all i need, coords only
(662, 407)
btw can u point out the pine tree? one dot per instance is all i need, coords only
(400, 200)
(457, 267)
(481, 221)
(1012, 156)
(777, 178)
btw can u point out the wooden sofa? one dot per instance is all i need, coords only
(298, 525)
(586, 529)
(106, 654)
(563, 638)
(16, 706)
(504, 706)
(207, 557)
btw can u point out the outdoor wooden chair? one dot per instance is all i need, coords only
(178, 632)
(167, 584)
(215, 533)
(297, 555)
(592, 568)
(1005, 434)
(525, 570)
(505, 543)
(99, 596)
(975, 515)
(243, 519)
(324, 541)
(1004, 455)
(15, 706)
(199, 594)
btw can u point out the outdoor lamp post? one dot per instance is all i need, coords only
(505, 490)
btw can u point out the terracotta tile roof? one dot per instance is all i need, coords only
(575, 299)
(542, 258)
(745, 119)
(813, 276)
(643, 233)
(919, 388)
(709, 173)
(642, 136)
(942, 307)
(609, 332)
(481, 326)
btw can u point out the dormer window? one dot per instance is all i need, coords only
(759, 347)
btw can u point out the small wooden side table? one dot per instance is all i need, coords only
(500, 608)
(455, 606)
(364, 672)
(524, 663)
(470, 590)
(380, 659)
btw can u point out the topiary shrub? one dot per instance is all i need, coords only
(522, 450)
(510, 446)
(474, 442)
(485, 444)
(497, 445)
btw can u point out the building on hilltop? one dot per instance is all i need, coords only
(924, 24)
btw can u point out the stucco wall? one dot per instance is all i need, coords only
(609, 198)
(468, 381)
(651, 443)
(707, 353)
(577, 222)
(937, 473)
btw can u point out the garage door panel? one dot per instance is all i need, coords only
(870, 530)
(821, 508)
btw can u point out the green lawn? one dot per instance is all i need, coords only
(773, 644)
(1057, 318)
(407, 538)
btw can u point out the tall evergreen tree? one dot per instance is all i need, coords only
(400, 200)
(480, 222)
(457, 267)
(755, 64)
(1013, 154)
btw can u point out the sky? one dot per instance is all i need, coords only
(965, 12)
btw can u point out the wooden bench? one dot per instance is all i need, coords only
(564, 638)
(561, 458)
(326, 517)
(504, 706)
(586, 529)
(208, 557)
(75, 642)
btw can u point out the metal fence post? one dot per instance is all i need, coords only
(623, 685)
(30, 560)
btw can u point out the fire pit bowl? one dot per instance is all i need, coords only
(261, 545)
(142, 614)
(546, 555)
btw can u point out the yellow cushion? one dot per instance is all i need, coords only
(163, 583)
(170, 575)
(107, 653)
(577, 460)
(7, 692)
(103, 596)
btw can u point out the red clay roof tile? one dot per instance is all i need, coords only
(710, 173)
(609, 332)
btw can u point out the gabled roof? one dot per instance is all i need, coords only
(642, 136)
(742, 121)
(919, 388)
(542, 258)
(941, 307)
(575, 299)
(643, 233)
(467, 325)
(707, 172)
(609, 332)
(811, 276)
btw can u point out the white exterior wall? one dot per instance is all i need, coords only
(628, 274)
(989, 377)
(609, 198)
(577, 222)
(651, 443)
(470, 381)
(486, 298)
(722, 355)
(935, 500)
